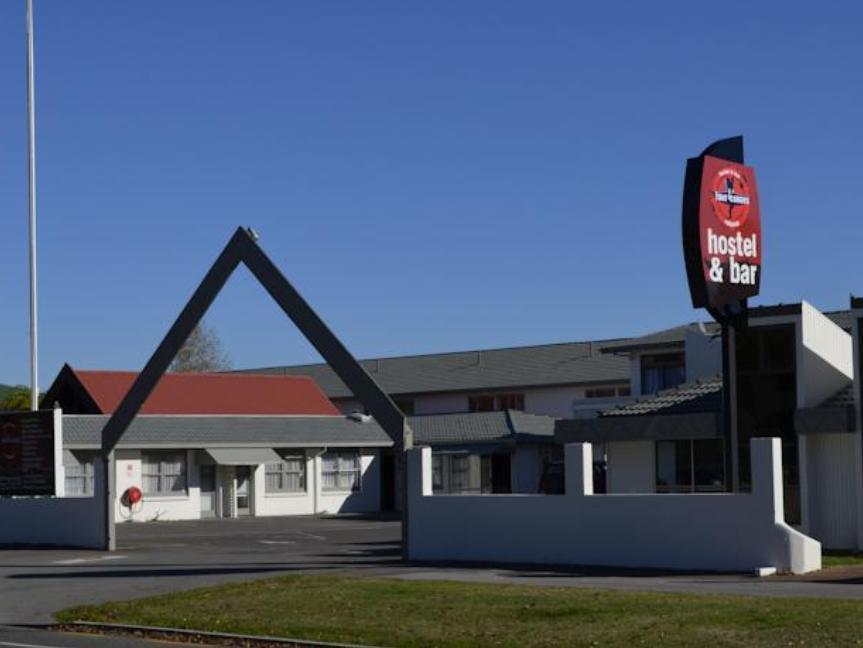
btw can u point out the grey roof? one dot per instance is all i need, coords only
(478, 427)
(530, 366)
(81, 431)
(836, 414)
(84, 431)
(674, 337)
(666, 338)
(696, 397)
(843, 398)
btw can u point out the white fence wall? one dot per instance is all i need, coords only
(56, 521)
(831, 492)
(719, 531)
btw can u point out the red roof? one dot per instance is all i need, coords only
(211, 393)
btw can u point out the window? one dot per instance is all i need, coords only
(481, 403)
(600, 392)
(164, 473)
(498, 402)
(690, 466)
(457, 473)
(79, 469)
(660, 372)
(287, 475)
(623, 390)
(437, 473)
(340, 471)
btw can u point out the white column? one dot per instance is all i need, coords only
(59, 471)
(579, 469)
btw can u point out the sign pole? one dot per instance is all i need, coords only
(31, 119)
(729, 407)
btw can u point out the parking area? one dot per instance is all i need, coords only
(154, 558)
(165, 556)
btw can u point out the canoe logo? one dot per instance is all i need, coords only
(730, 197)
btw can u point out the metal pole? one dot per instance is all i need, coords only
(731, 427)
(31, 118)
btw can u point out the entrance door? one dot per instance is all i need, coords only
(207, 482)
(388, 481)
(244, 477)
(501, 473)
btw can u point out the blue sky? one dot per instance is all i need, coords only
(432, 176)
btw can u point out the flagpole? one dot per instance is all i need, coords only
(31, 117)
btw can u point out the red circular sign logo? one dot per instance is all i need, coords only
(730, 197)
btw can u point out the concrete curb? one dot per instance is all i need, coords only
(196, 636)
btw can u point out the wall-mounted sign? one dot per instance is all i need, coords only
(27, 453)
(721, 229)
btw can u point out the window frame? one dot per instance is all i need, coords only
(689, 455)
(340, 471)
(85, 467)
(162, 475)
(282, 471)
(663, 363)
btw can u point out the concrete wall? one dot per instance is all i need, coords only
(825, 361)
(631, 467)
(56, 521)
(727, 532)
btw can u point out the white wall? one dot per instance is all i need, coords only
(314, 499)
(186, 506)
(720, 531)
(631, 467)
(831, 491)
(825, 362)
(56, 521)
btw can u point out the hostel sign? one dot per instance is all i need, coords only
(27, 453)
(721, 228)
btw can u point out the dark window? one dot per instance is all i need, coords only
(663, 371)
(491, 403)
(624, 391)
(600, 392)
(690, 466)
(510, 401)
(481, 403)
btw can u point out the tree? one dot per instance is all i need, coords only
(202, 352)
(17, 399)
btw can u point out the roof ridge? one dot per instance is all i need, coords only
(213, 374)
(442, 353)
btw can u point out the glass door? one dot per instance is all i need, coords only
(244, 475)
(208, 490)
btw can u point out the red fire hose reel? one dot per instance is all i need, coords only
(132, 501)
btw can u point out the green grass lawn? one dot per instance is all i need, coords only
(835, 559)
(400, 613)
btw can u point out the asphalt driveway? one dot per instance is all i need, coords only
(160, 557)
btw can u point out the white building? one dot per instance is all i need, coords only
(795, 377)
